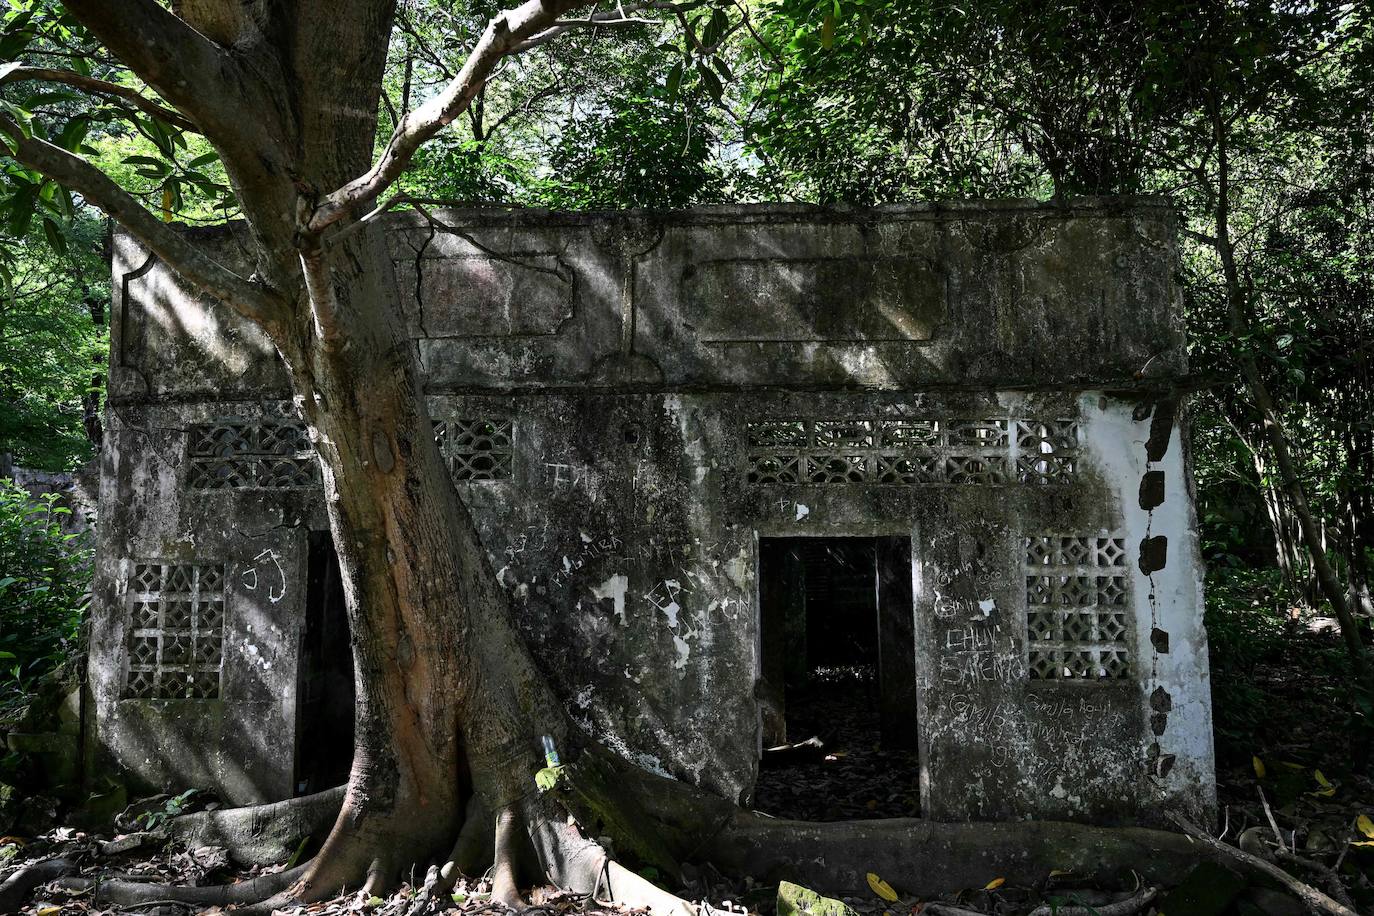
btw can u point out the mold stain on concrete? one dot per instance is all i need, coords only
(658, 394)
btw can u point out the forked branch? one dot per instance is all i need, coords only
(623, 14)
(503, 35)
(533, 23)
(183, 66)
(1304, 892)
(254, 301)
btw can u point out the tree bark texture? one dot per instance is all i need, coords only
(450, 705)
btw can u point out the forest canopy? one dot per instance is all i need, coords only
(1254, 120)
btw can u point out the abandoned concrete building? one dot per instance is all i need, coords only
(719, 458)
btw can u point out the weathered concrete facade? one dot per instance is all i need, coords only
(630, 404)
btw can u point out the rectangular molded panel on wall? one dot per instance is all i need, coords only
(814, 299)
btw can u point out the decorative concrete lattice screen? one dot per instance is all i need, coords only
(266, 454)
(476, 448)
(1077, 609)
(912, 452)
(1046, 451)
(176, 631)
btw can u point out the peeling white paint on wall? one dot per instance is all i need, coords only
(683, 651)
(614, 588)
(1169, 598)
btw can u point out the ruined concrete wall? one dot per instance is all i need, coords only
(199, 598)
(628, 536)
(963, 295)
(629, 402)
(77, 492)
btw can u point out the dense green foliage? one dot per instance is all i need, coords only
(44, 574)
(1255, 117)
(52, 335)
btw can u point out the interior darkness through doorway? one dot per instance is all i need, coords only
(838, 691)
(324, 691)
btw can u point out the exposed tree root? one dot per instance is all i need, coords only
(262, 834)
(125, 893)
(583, 865)
(948, 909)
(621, 811)
(15, 889)
(1304, 892)
(473, 850)
(927, 858)
(505, 886)
(1128, 907)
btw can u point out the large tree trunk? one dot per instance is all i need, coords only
(449, 702)
(450, 706)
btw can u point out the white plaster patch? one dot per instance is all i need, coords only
(683, 651)
(614, 588)
(738, 568)
(254, 656)
(670, 610)
(802, 512)
(616, 743)
(583, 698)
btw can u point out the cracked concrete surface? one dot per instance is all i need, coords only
(629, 402)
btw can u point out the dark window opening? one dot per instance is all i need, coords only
(838, 686)
(324, 691)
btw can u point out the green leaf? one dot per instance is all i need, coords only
(21, 210)
(547, 778)
(149, 161)
(12, 44)
(55, 237)
(161, 136)
(202, 161)
(20, 116)
(73, 133)
(710, 81)
(715, 28)
(674, 83)
(48, 97)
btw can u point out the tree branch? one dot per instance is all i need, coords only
(101, 87)
(503, 36)
(623, 14)
(252, 300)
(190, 71)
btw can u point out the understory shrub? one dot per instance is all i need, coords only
(1272, 678)
(45, 576)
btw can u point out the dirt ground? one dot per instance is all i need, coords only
(1285, 739)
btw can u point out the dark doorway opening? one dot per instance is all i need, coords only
(324, 689)
(838, 691)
